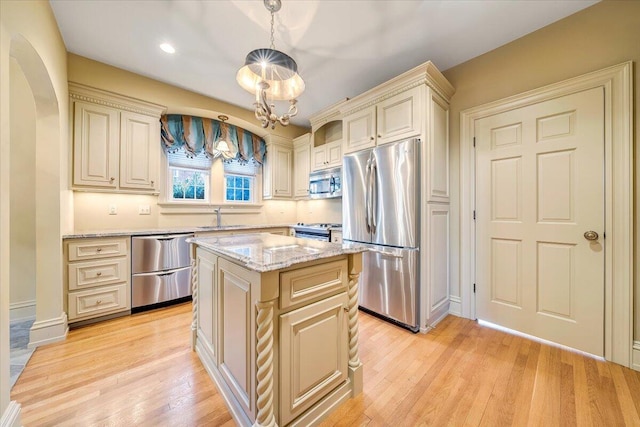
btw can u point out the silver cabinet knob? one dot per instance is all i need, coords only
(591, 235)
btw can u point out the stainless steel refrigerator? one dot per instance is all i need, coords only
(380, 208)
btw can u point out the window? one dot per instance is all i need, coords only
(239, 182)
(189, 177)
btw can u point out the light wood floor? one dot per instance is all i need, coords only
(139, 370)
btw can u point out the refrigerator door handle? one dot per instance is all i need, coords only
(367, 179)
(374, 194)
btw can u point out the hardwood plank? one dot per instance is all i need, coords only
(140, 370)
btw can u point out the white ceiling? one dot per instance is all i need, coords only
(342, 48)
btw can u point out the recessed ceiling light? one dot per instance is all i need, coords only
(167, 48)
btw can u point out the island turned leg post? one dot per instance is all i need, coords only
(355, 366)
(194, 297)
(264, 362)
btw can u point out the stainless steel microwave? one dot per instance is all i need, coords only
(325, 184)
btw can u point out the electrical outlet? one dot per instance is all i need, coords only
(113, 210)
(144, 210)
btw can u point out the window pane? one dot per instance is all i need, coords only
(238, 194)
(189, 193)
(246, 195)
(238, 182)
(230, 181)
(230, 194)
(200, 193)
(178, 192)
(245, 183)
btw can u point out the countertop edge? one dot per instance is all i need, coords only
(179, 230)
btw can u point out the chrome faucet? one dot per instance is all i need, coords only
(218, 217)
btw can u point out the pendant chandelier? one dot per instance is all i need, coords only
(272, 76)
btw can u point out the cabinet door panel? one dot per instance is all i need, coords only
(359, 130)
(316, 337)
(319, 160)
(236, 362)
(398, 117)
(301, 167)
(277, 182)
(207, 300)
(95, 145)
(139, 151)
(334, 153)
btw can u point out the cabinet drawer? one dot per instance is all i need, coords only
(98, 301)
(96, 248)
(88, 274)
(306, 284)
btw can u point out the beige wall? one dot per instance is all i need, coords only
(22, 292)
(91, 209)
(29, 33)
(328, 210)
(602, 35)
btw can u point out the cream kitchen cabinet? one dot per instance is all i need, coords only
(280, 343)
(328, 155)
(301, 165)
(116, 144)
(97, 277)
(277, 180)
(391, 119)
(326, 138)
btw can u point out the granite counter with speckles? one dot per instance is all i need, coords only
(267, 252)
(177, 230)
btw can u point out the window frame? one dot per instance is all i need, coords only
(207, 185)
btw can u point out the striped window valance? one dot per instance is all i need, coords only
(196, 134)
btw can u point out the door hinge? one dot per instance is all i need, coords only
(474, 288)
(474, 141)
(474, 215)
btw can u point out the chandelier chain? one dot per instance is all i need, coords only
(273, 46)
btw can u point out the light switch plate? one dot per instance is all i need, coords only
(113, 210)
(144, 210)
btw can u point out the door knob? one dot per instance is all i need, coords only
(591, 235)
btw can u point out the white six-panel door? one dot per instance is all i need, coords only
(540, 187)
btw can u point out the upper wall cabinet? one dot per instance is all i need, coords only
(392, 119)
(277, 167)
(301, 165)
(116, 141)
(413, 105)
(326, 138)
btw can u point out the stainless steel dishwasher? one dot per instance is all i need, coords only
(160, 270)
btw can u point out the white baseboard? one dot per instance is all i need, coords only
(635, 359)
(11, 415)
(437, 318)
(455, 306)
(23, 310)
(48, 331)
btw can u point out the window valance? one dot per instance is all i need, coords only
(197, 134)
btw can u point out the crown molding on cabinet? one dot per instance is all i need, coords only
(426, 73)
(80, 92)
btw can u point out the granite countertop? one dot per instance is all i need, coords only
(267, 252)
(177, 230)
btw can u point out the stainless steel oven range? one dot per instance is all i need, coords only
(161, 271)
(320, 231)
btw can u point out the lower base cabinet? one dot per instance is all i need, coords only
(314, 355)
(272, 363)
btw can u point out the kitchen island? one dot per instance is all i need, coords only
(276, 325)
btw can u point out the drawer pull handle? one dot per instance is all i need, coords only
(99, 302)
(99, 273)
(99, 250)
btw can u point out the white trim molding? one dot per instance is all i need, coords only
(455, 305)
(635, 359)
(48, 331)
(23, 310)
(617, 84)
(11, 415)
